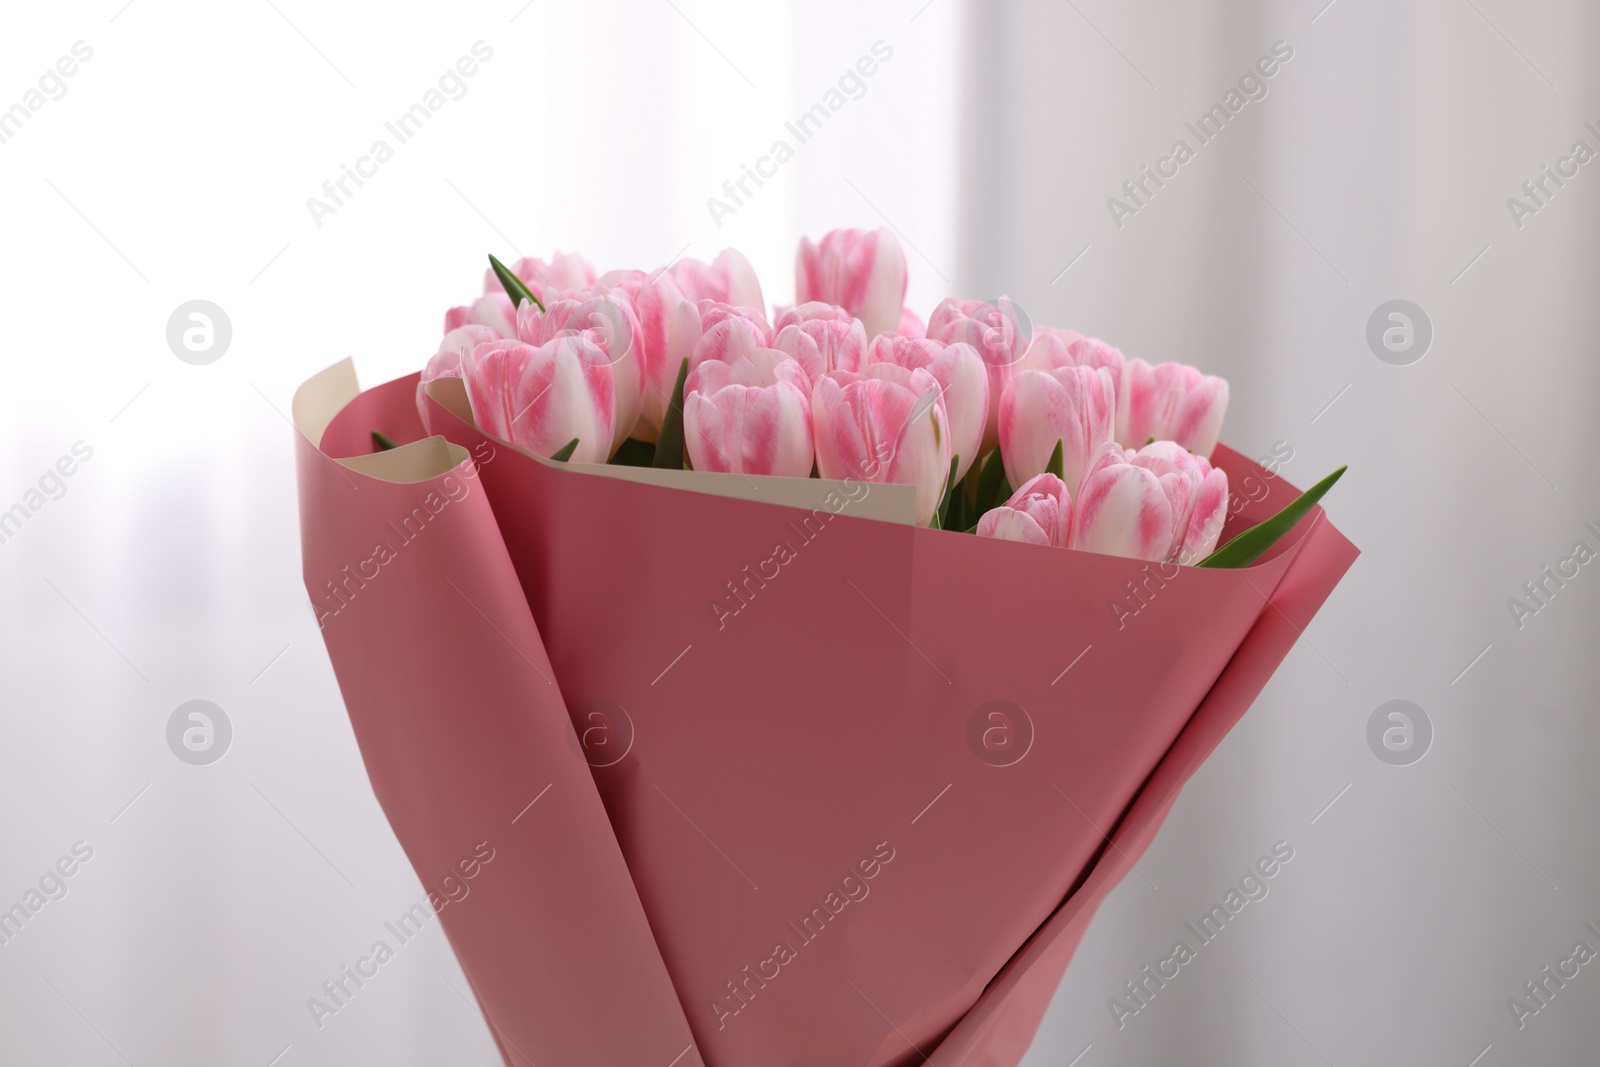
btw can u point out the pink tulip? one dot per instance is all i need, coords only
(493, 310)
(454, 352)
(609, 323)
(863, 272)
(728, 279)
(565, 271)
(1171, 401)
(1073, 405)
(1000, 335)
(540, 398)
(1093, 352)
(963, 384)
(1197, 530)
(669, 326)
(727, 334)
(1040, 513)
(877, 430)
(749, 416)
(1122, 510)
(1052, 348)
(822, 337)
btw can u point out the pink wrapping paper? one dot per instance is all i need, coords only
(823, 790)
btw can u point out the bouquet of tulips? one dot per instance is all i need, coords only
(856, 818)
(1043, 435)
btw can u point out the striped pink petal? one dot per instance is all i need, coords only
(1039, 513)
(747, 429)
(728, 279)
(540, 398)
(963, 383)
(1122, 510)
(669, 326)
(1072, 405)
(999, 333)
(608, 321)
(1171, 401)
(877, 430)
(829, 339)
(493, 310)
(861, 271)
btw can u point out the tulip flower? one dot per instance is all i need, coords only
(749, 416)
(541, 397)
(609, 323)
(727, 333)
(1000, 335)
(1122, 510)
(493, 310)
(565, 272)
(963, 384)
(1040, 513)
(911, 324)
(1171, 402)
(1159, 503)
(1196, 532)
(454, 352)
(728, 279)
(1075, 406)
(822, 337)
(876, 430)
(863, 272)
(1052, 348)
(669, 326)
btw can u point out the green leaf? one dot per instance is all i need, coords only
(941, 514)
(564, 453)
(1250, 545)
(992, 488)
(514, 286)
(381, 439)
(669, 446)
(1057, 464)
(634, 453)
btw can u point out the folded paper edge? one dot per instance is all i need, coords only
(321, 398)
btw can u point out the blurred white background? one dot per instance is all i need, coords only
(176, 165)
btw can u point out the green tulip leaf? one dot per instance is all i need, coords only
(992, 488)
(634, 453)
(1254, 542)
(381, 439)
(564, 453)
(515, 287)
(1057, 464)
(669, 446)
